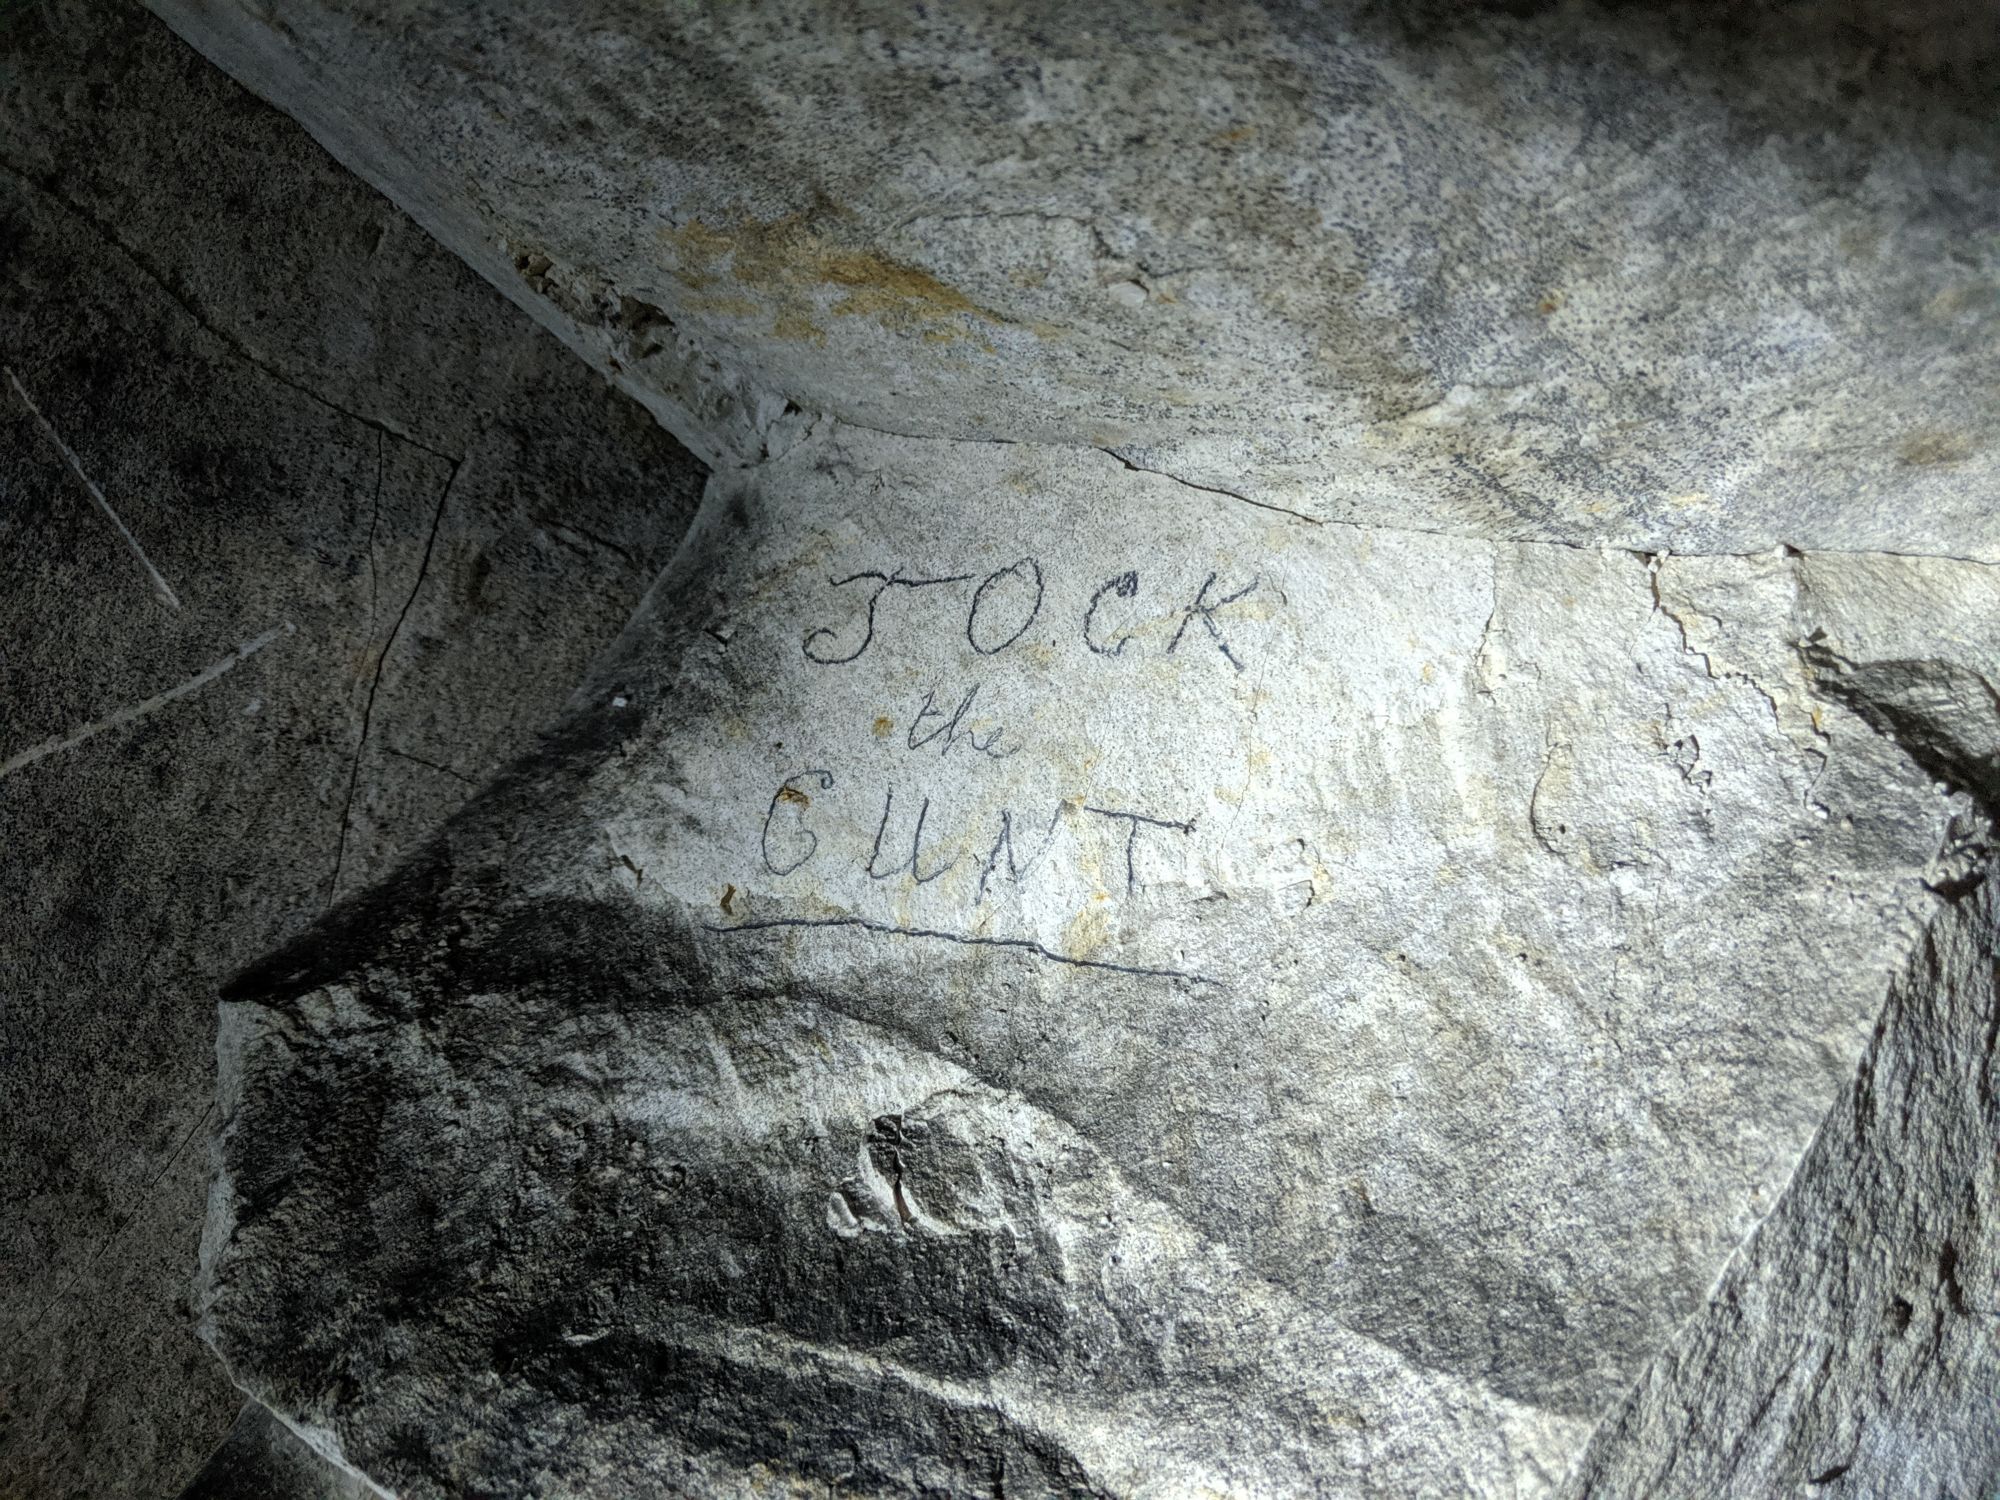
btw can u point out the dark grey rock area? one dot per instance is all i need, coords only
(402, 516)
(261, 1459)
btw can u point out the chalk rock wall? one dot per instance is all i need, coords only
(1333, 664)
(1022, 972)
(1693, 277)
(1852, 1346)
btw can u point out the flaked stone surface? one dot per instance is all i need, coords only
(1853, 1346)
(1026, 975)
(1852, 1349)
(1690, 277)
(398, 520)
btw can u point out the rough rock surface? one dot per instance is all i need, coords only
(339, 447)
(1713, 278)
(262, 1459)
(1854, 1346)
(1305, 920)
(1114, 991)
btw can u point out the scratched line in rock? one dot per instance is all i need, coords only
(965, 939)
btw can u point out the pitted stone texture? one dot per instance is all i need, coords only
(1025, 973)
(1650, 275)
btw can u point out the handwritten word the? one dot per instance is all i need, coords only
(953, 728)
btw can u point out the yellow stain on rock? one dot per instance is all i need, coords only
(722, 303)
(1089, 931)
(1929, 446)
(797, 269)
(798, 328)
